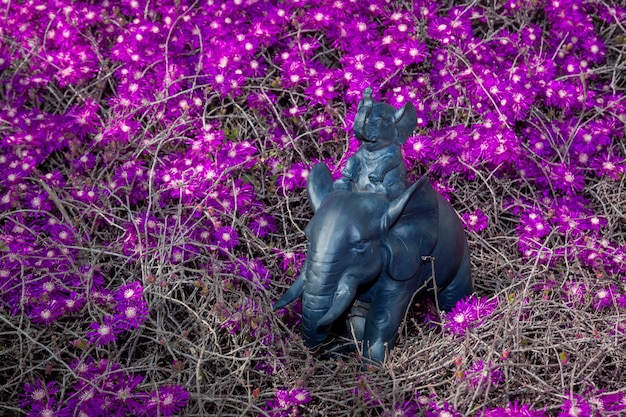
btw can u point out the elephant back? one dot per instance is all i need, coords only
(413, 229)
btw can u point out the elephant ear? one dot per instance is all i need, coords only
(406, 122)
(318, 184)
(411, 225)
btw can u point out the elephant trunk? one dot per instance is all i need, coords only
(327, 294)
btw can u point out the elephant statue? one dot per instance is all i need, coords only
(368, 256)
(378, 166)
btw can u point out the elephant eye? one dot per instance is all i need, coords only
(361, 245)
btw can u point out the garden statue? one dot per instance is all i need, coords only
(378, 165)
(372, 249)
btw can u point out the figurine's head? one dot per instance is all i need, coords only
(378, 125)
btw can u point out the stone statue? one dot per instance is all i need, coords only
(373, 249)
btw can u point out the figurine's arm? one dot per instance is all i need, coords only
(352, 167)
(348, 175)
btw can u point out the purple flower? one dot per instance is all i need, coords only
(604, 297)
(460, 318)
(47, 313)
(294, 178)
(574, 293)
(412, 51)
(105, 332)
(290, 259)
(123, 391)
(262, 224)
(38, 201)
(226, 237)
(514, 409)
(417, 149)
(129, 294)
(166, 400)
(476, 221)
(286, 402)
(609, 165)
(444, 410)
(131, 316)
(102, 297)
(86, 117)
(298, 396)
(568, 179)
(321, 91)
(575, 406)
(467, 313)
(482, 375)
(608, 403)
(74, 302)
(38, 394)
(404, 409)
(237, 154)
(252, 270)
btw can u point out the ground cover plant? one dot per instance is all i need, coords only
(153, 156)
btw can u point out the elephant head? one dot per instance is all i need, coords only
(378, 125)
(355, 238)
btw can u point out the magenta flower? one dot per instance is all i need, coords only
(482, 375)
(609, 165)
(130, 402)
(129, 294)
(568, 179)
(476, 221)
(296, 396)
(441, 410)
(468, 313)
(262, 224)
(534, 224)
(322, 91)
(131, 316)
(105, 332)
(404, 409)
(294, 178)
(604, 297)
(38, 201)
(290, 259)
(574, 293)
(417, 149)
(226, 237)
(251, 270)
(74, 302)
(47, 313)
(609, 402)
(38, 394)
(287, 402)
(575, 406)
(167, 400)
(460, 318)
(514, 409)
(412, 51)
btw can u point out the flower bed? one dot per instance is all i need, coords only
(154, 156)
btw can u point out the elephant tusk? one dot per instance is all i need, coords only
(346, 291)
(295, 291)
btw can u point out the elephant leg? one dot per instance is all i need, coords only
(460, 286)
(356, 319)
(350, 335)
(384, 318)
